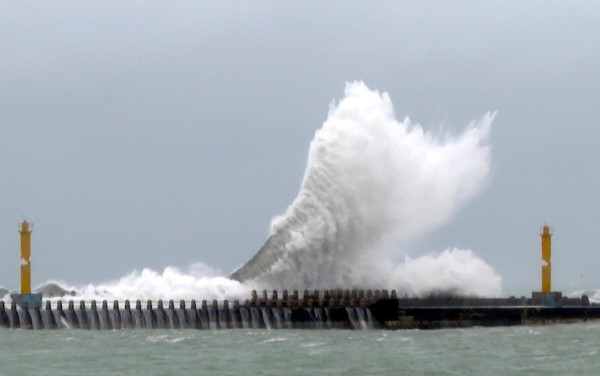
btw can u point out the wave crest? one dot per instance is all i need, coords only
(370, 182)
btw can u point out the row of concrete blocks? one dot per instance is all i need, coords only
(207, 317)
(322, 298)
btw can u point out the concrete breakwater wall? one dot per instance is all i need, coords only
(335, 309)
(327, 309)
(461, 312)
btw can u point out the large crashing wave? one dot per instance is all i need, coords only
(371, 182)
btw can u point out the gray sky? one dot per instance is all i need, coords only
(148, 134)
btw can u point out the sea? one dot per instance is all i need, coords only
(563, 349)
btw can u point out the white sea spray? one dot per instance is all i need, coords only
(371, 182)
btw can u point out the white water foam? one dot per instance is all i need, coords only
(198, 281)
(593, 295)
(370, 183)
(451, 272)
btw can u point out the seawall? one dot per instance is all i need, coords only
(326, 309)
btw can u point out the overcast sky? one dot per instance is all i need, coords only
(147, 134)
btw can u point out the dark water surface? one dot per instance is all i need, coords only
(549, 350)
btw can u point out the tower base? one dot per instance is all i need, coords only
(29, 300)
(547, 299)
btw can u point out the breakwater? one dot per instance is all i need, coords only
(335, 309)
(327, 309)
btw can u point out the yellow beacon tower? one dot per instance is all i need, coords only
(25, 258)
(547, 297)
(546, 254)
(26, 298)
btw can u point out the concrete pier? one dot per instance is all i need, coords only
(319, 309)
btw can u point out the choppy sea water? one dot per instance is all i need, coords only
(551, 350)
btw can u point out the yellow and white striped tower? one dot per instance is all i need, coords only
(546, 264)
(25, 258)
(546, 296)
(26, 298)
